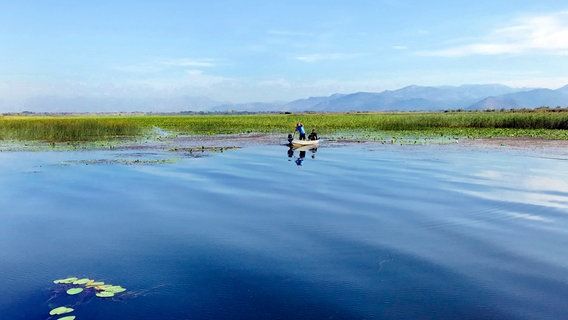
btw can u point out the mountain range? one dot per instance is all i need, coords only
(410, 98)
(525, 99)
(420, 98)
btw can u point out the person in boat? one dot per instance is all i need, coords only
(313, 135)
(301, 130)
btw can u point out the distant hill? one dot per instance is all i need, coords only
(411, 98)
(248, 106)
(309, 103)
(525, 99)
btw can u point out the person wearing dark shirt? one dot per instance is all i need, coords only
(313, 135)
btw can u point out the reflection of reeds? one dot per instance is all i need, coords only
(101, 128)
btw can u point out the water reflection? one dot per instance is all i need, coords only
(301, 154)
(429, 232)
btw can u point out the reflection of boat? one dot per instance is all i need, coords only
(312, 148)
(305, 143)
(306, 148)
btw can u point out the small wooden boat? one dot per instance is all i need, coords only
(305, 143)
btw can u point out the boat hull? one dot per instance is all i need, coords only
(305, 143)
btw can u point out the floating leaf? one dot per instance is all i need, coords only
(67, 318)
(82, 281)
(60, 310)
(65, 281)
(105, 294)
(94, 284)
(103, 287)
(115, 289)
(74, 291)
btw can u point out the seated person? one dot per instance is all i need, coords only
(313, 135)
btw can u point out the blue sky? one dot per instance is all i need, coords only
(132, 51)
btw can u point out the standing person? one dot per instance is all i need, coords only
(301, 130)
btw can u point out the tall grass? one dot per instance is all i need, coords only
(66, 129)
(91, 128)
(328, 123)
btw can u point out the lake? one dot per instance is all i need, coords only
(353, 232)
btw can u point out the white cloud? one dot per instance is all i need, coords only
(161, 65)
(545, 34)
(527, 189)
(317, 57)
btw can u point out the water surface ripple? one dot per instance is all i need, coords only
(359, 232)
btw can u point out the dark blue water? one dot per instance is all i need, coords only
(430, 232)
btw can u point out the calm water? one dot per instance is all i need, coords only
(430, 232)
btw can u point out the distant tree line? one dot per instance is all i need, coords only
(234, 112)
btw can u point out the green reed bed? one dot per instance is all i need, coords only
(530, 124)
(66, 129)
(328, 123)
(550, 125)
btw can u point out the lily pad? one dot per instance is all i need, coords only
(82, 281)
(105, 294)
(67, 318)
(65, 281)
(60, 310)
(103, 287)
(94, 284)
(74, 291)
(115, 289)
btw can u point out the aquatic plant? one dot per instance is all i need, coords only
(115, 289)
(65, 281)
(127, 162)
(94, 283)
(64, 129)
(100, 289)
(105, 294)
(74, 291)
(89, 284)
(106, 128)
(60, 310)
(81, 281)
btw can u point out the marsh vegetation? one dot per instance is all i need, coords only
(549, 125)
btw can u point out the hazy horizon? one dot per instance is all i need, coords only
(79, 104)
(153, 55)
